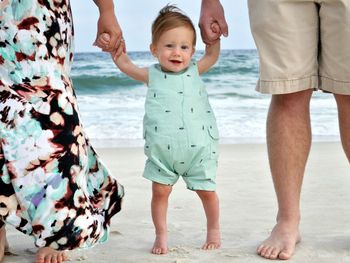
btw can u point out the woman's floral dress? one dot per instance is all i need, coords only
(52, 184)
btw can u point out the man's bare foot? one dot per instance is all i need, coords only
(160, 245)
(213, 240)
(49, 255)
(282, 241)
(4, 246)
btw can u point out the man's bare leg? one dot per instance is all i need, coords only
(210, 203)
(3, 242)
(343, 102)
(159, 207)
(49, 255)
(288, 141)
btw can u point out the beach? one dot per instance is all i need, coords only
(248, 209)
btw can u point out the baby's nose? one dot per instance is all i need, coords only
(177, 51)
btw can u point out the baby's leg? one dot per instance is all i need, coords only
(159, 207)
(3, 242)
(210, 202)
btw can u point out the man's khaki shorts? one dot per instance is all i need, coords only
(302, 44)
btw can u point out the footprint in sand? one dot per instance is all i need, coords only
(115, 232)
(30, 251)
(9, 253)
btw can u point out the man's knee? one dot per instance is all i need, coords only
(292, 101)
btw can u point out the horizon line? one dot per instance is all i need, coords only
(226, 49)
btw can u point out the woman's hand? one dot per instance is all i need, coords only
(107, 23)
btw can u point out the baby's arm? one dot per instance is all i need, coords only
(125, 64)
(210, 57)
(129, 68)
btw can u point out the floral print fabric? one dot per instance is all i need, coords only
(53, 185)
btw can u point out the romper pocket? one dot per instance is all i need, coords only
(214, 142)
(213, 132)
(146, 147)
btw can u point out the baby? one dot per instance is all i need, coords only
(180, 131)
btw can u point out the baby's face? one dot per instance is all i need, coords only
(174, 49)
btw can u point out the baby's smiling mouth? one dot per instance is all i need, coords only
(175, 61)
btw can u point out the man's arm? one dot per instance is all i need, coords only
(212, 13)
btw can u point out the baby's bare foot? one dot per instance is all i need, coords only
(213, 240)
(4, 246)
(160, 245)
(49, 255)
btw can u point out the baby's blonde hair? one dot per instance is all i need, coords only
(170, 17)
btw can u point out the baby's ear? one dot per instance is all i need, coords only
(153, 49)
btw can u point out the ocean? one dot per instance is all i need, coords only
(112, 105)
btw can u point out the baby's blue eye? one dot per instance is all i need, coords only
(185, 47)
(169, 45)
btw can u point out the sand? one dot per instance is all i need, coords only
(248, 208)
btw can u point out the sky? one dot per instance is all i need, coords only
(136, 17)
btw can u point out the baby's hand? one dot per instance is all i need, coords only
(215, 28)
(103, 40)
(216, 44)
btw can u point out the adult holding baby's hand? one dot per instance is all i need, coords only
(212, 21)
(108, 23)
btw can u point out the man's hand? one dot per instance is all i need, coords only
(212, 21)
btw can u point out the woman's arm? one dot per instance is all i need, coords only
(105, 5)
(108, 23)
(210, 57)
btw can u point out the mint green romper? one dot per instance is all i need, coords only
(180, 131)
